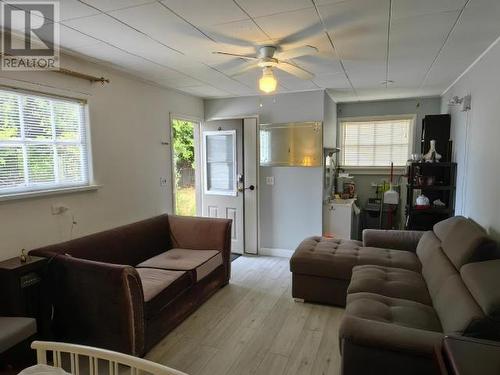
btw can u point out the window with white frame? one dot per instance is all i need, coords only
(375, 142)
(43, 143)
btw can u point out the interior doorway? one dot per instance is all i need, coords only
(185, 166)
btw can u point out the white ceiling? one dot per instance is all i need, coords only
(422, 45)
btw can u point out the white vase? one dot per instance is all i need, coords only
(432, 154)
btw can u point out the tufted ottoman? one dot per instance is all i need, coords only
(322, 268)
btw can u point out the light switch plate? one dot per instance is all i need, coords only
(270, 180)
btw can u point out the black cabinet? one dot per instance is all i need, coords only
(437, 182)
(437, 127)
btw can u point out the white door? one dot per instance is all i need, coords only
(222, 158)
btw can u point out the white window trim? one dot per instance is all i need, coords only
(48, 192)
(91, 184)
(368, 170)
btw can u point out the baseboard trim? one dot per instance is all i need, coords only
(274, 252)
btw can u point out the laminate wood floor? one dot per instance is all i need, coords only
(252, 326)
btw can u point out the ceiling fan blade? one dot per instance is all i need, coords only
(294, 70)
(297, 52)
(243, 69)
(235, 55)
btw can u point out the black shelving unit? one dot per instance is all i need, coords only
(435, 181)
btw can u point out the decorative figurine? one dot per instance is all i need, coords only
(23, 257)
(432, 156)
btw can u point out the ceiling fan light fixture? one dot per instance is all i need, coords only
(268, 82)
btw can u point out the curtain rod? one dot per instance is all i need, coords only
(72, 73)
(81, 75)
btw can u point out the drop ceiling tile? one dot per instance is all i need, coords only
(366, 74)
(291, 27)
(414, 43)
(240, 33)
(108, 30)
(207, 12)
(108, 54)
(160, 23)
(135, 65)
(467, 41)
(319, 64)
(108, 5)
(358, 28)
(258, 8)
(412, 8)
(327, 2)
(206, 91)
(293, 83)
(333, 81)
(178, 82)
(75, 9)
(70, 38)
(104, 28)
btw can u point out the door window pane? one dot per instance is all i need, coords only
(220, 162)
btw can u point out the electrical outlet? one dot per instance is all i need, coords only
(163, 181)
(270, 180)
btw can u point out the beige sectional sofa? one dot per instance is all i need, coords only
(403, 292)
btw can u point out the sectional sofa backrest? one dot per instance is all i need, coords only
(451, 245)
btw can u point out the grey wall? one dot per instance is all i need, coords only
(417, 106)
(291, 208)
(330, 122)
(476, 136)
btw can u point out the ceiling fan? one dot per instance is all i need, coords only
(267, 58)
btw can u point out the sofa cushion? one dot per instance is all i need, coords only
(14, 330)
(396, 311)
(199, 263)
(464, 241)
(389, 282)
(335, 258)
(160, 287)
(392, 324)
(481, 279)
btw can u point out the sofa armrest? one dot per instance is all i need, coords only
(99, 304)
(390, 337)
(392, 239)
(202, 233)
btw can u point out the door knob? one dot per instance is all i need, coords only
(241, 189)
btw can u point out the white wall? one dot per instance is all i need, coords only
(128, 121)
(290, 210)
(476, 136)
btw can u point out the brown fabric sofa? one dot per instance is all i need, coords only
(399, 307)
(126, 288)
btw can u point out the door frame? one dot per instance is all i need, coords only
(257, 161)
(197, 161)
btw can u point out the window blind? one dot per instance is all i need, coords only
(43, 143)
(375, 143)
